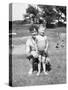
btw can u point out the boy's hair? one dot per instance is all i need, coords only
(32, 27)
(42, 25)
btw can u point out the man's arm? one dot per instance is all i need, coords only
(28, 48)
(30, 53)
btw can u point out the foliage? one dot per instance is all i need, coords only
(47, 14)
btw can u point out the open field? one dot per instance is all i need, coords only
(23, 30)
(20, 65)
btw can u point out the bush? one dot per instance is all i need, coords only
(51, 25)
(61, 24)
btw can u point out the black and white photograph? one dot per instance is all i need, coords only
(37, 44)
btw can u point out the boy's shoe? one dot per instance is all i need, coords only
(30, 71)
(38, 73)
(45, 73)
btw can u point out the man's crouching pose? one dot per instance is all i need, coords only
(31, 50)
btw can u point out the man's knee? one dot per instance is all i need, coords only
(30, 57)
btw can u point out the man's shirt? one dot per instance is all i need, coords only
(30, 45)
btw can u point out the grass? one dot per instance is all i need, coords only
(20, 65)
(23, 30)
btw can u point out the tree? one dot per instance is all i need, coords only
(61, 10)
(49, 14)
(32, 13)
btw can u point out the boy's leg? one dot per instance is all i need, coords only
(47, 57)
(39, 65)
(44, 65)
(48, 62)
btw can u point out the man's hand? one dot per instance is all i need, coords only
(35, 54)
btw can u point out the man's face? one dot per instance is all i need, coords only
(34, 33)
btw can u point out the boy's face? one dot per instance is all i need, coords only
(41, 30)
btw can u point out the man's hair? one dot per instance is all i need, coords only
(32, 27)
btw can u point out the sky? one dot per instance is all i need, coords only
(18, 10)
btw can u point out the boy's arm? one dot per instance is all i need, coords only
(46, 41)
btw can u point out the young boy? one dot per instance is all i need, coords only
(42, 46)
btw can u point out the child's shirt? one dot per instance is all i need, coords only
(41, 42)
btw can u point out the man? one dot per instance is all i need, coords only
(31, 50)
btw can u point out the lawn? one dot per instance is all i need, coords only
(20, 65)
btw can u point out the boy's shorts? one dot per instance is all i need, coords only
(42, 53)
(32, 59)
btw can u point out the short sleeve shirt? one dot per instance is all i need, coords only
(41, 42)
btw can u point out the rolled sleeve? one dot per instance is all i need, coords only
(28, 47)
